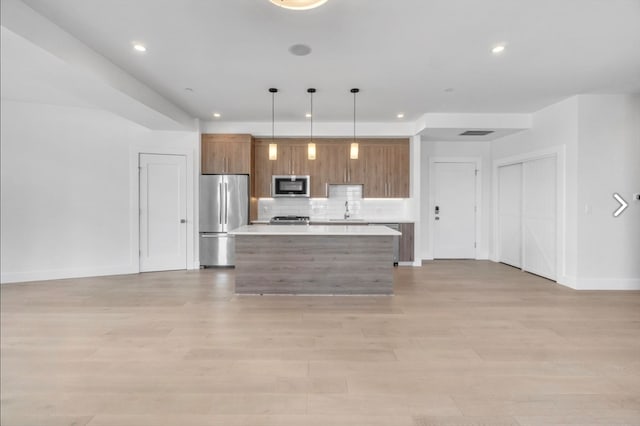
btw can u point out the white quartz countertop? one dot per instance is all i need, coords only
(340, 221)
(348, 230)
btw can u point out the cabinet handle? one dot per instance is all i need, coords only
(326, 189)
(344, 176)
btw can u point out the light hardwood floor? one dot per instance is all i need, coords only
(461, 343)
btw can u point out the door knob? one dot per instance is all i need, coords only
(183, 220)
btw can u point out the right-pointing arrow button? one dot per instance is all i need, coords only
(623, 204)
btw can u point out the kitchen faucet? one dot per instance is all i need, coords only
(346, 210)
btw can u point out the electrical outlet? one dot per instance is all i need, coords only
(636, 197)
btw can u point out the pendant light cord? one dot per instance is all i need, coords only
(354, 116)
(311, 91)
(354, 91)
(273, 92)
(311, 116)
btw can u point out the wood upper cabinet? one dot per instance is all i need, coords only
(225, 153)
(329, 167)
(382, 165)
(385, 169)
(262, 171)
(291, 160)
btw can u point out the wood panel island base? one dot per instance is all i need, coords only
(314, 259)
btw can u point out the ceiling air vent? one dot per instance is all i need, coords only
(476, 133)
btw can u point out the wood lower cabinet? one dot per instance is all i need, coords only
(226, 154)
(406, 242)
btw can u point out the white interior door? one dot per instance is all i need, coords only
(163, 212)
(539, 217)
(510, 214)
(454, 214)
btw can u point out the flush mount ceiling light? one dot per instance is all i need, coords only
(400, 115)
(139, 47)
(216, 115)
(273, 147)
(298, 4)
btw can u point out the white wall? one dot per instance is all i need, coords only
(608, 162)
(481, 150)
(67, 185)
(600, 137)
(554, 128)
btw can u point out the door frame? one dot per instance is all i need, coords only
(558, 153)
(477, 161)
(190, 152)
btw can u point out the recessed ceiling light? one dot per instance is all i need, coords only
(307, 115)
(498, 49)
(298, 4)
(139, 47)
(401, 115)
(216, 115)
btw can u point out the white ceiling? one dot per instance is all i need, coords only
(402, 54)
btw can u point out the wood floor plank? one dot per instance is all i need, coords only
(460, 343)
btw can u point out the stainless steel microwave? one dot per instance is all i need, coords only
(290, 186)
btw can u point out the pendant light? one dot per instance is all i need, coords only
(273, 147)
(311, 147)
(353, 153)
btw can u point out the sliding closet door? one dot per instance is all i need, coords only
(539, 217)
(510, 214)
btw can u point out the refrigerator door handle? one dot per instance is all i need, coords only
(226, 203)
(220, 204)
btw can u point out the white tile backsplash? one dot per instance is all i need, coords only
(371, 209)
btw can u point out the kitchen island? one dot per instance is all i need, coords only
(314, 259)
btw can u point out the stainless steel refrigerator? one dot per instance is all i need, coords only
(224, 205)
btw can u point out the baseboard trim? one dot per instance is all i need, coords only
(608, 284)
(59, 274)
